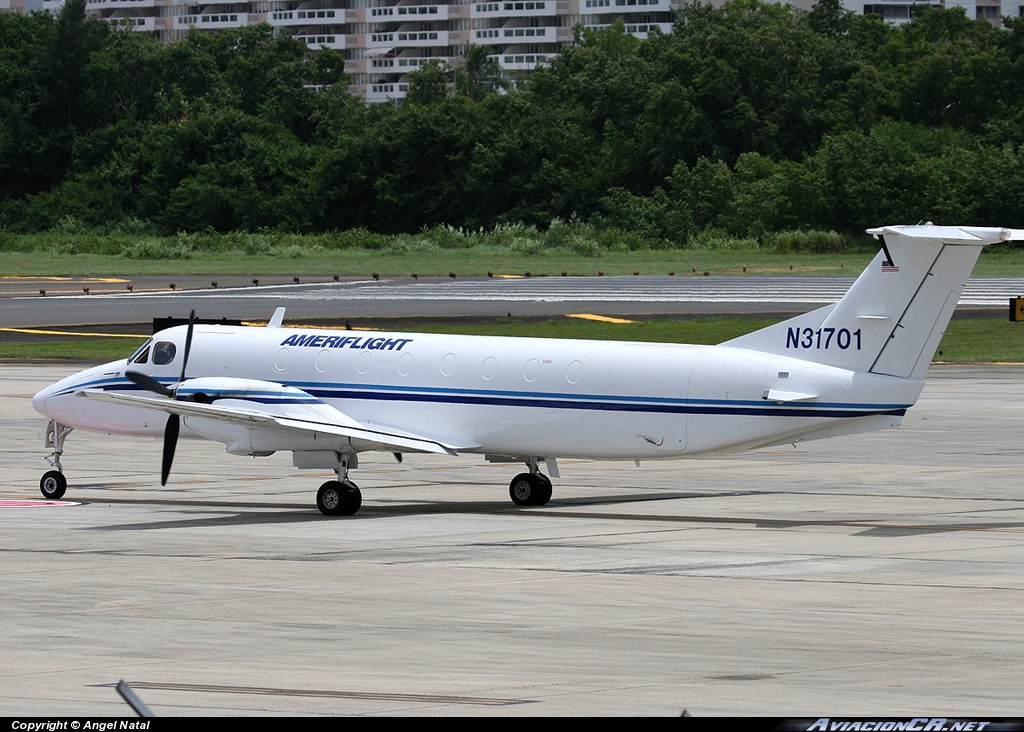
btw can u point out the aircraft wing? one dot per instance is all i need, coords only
(304, 421)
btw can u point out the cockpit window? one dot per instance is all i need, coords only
(141, 354)
(163, 353)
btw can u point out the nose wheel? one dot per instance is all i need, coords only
(53, 485)
(530, 489)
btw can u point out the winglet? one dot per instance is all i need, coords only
(275, 322)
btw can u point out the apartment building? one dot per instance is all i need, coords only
(898, 11)
(30, 6)
(382, 41)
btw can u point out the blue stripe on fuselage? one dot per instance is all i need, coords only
(621, 404)
(666, 405)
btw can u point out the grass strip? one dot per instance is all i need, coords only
(994, 262)
(965, 341)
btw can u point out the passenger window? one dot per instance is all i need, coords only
(163, 353)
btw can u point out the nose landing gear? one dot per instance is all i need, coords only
(53, 484)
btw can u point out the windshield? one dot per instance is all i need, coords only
(141, 354)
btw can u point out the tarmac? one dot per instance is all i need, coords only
(877, 574)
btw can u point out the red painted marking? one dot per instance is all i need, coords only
(23, 503)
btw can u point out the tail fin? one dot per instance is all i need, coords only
(892, 318)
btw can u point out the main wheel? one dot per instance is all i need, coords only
(525, 490)
(354, 498)
(53, 484)
(338, 498)
(543, 490)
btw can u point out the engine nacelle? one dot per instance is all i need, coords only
(209, 389)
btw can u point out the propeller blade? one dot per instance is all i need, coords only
(148, 383)
(173, 420)
(188, 344)
(170, 442)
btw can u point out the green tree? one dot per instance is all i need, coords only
(479, 74)
(429, 84)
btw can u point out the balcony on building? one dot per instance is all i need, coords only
(895, 12)
(383, 65)
(421, 12)
(386, 90)
(412, 34)
(334, 41)
(516, 32)
(641, 30)
(992, 11)
(516, 59)
(100, 5)
(213, 17)
(379, 44)
(405, 64)
(140, 23)
(636, 24)
(518, 9)
(637, 6)
(307, 16)
(487, 37)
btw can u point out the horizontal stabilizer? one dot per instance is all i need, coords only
(953, 235)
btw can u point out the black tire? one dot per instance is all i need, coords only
(523, 490)
(53, 485)
(354, 498)
(338, 499)
(543, 490)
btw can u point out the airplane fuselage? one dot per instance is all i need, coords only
(515, 396)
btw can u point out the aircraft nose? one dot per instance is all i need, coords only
(55, 400)
(39, 400)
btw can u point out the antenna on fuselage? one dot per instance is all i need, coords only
(277, 319)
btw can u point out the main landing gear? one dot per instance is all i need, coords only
(530, 489)
(53, 484)
(339, 497)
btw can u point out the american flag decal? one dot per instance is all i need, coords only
(887, 263)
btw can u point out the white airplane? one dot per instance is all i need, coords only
(853, 366)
